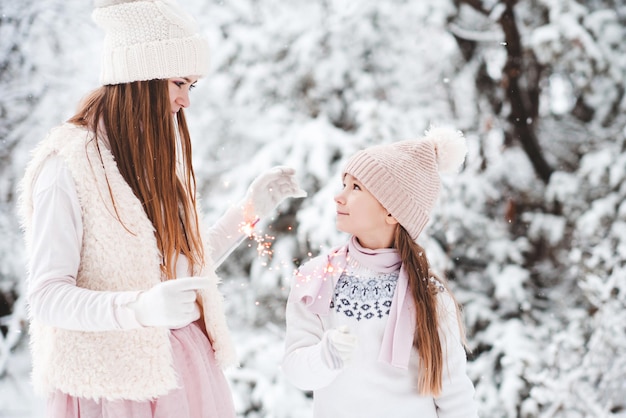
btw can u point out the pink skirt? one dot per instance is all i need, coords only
(203, 391)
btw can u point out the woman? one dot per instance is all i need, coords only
(126, 317)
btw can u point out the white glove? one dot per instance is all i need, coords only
(269, 189)
(170, 304)
(338, 345)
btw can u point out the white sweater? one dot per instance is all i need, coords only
(368, 388)
(53, 296)
(86, 265)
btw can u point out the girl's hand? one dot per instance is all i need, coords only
(338, 345)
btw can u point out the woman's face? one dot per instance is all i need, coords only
(179, 91)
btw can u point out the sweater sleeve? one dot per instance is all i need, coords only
(226, 235)
(303, 364)
(53, 297)
(457, 396)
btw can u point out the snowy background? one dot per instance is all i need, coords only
(531, 233)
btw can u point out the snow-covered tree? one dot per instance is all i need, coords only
(567, 100)
(531, 233)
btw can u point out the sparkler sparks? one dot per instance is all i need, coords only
(264, 244)
(248, 227)
(263, 241)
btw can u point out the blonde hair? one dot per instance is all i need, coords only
(424, 293)
(146, 143)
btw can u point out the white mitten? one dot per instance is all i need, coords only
(338, 345)
(269, 189)
(170, 304)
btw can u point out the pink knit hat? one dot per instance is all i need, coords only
(404, 176)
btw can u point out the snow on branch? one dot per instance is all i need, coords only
(473, 35)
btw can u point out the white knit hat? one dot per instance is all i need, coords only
(149, 39)
(404, 176)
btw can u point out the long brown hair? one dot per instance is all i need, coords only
(424, 286)
(146, 142)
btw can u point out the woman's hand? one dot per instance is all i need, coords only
(268, 190)
(170, 304)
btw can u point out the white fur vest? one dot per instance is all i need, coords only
(116, 255)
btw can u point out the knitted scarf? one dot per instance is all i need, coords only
(315, 284)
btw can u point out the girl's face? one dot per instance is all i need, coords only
(360, 214)
(179, 91)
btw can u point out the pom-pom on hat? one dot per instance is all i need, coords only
(148, 39)
(404, 176)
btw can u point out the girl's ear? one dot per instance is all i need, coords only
(391, 220)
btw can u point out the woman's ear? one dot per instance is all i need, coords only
(391, 220)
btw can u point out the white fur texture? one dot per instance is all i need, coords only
(134, 364)
(450, 148)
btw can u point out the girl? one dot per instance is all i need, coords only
(126, 316)
(370, 329)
